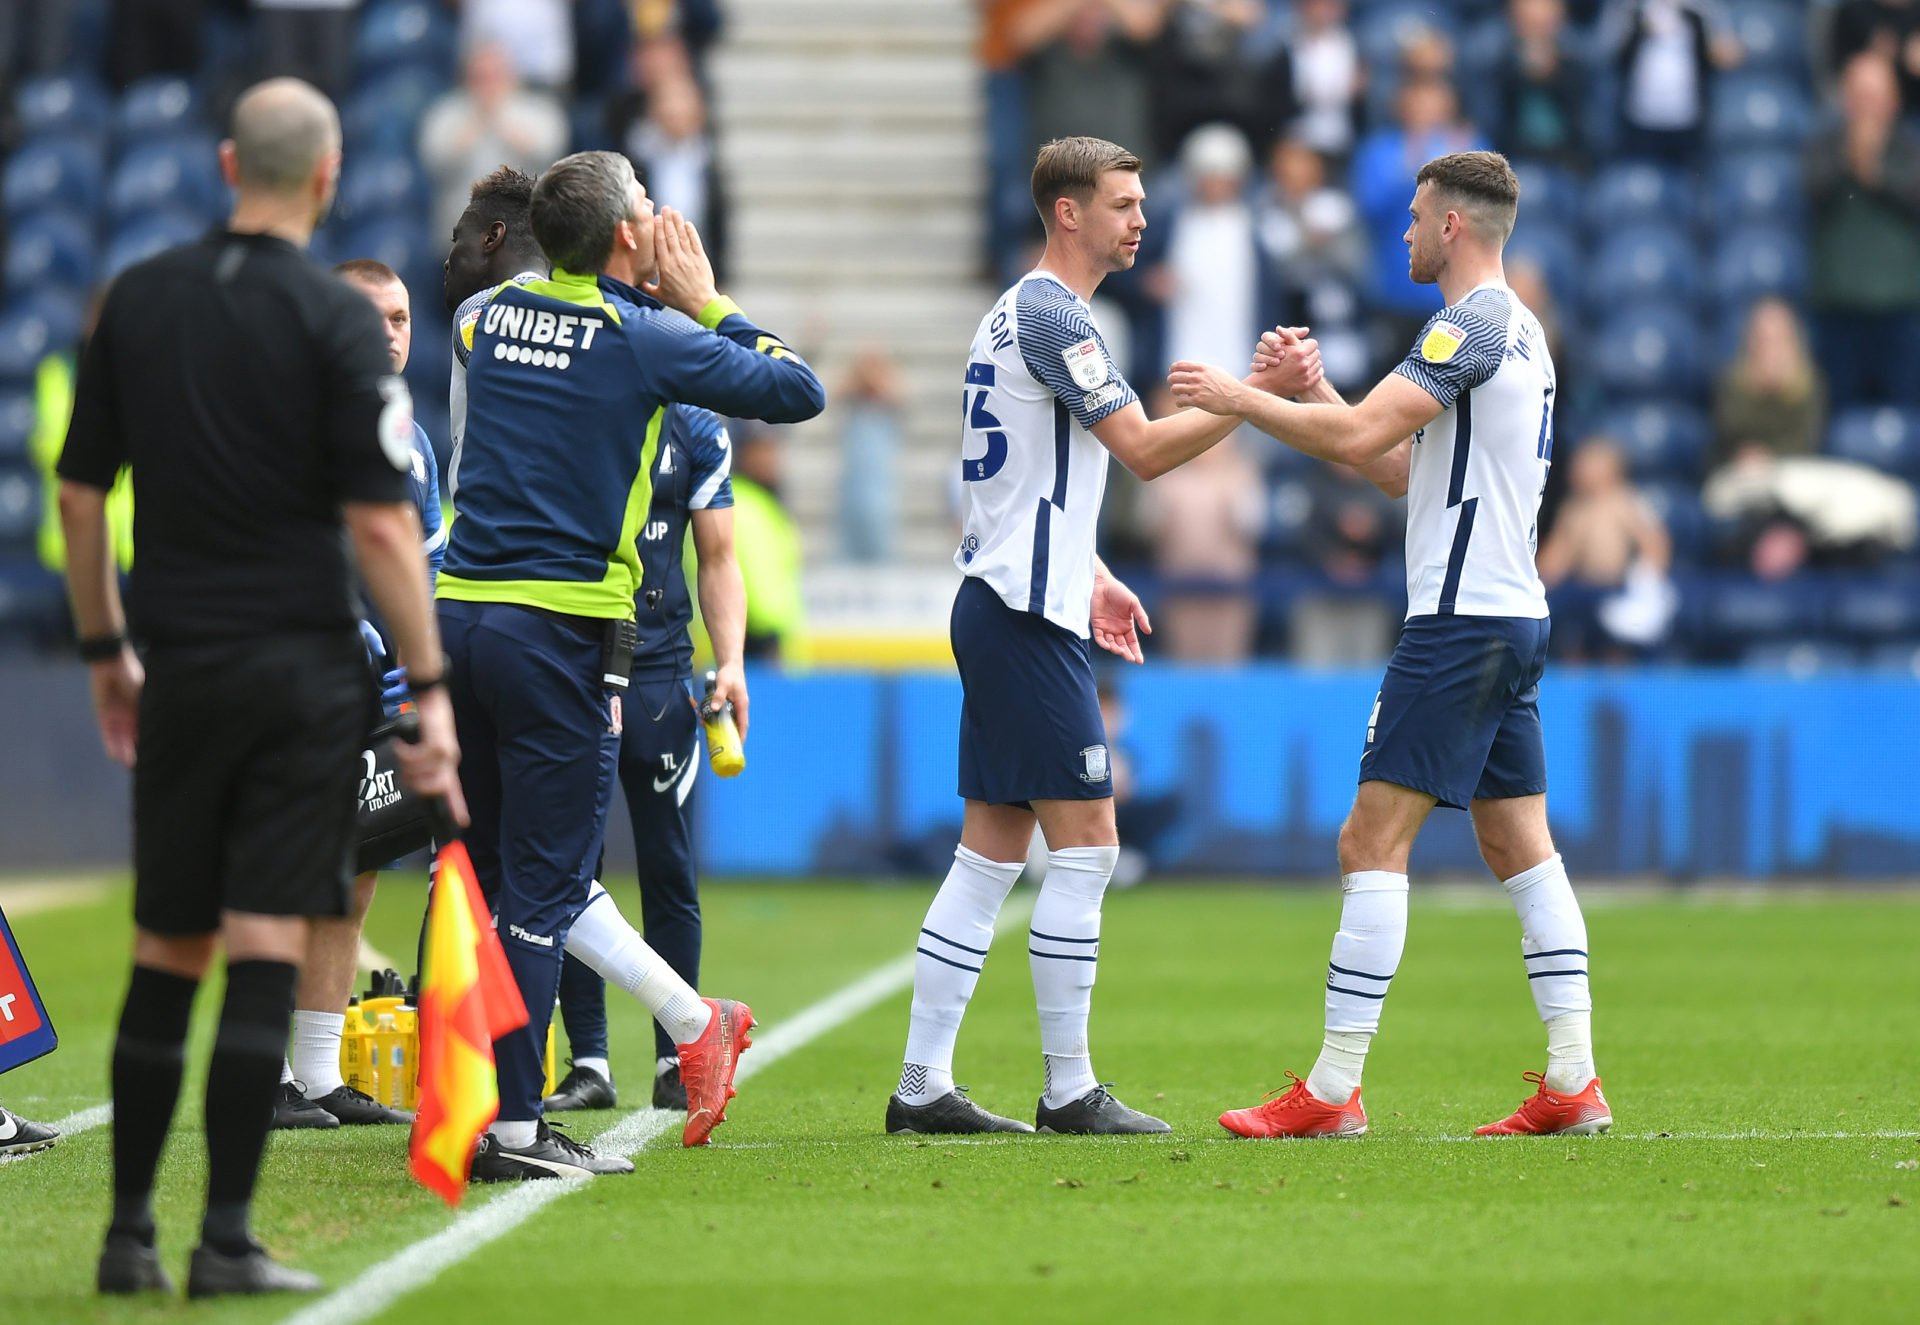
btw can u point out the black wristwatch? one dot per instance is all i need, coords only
(434, 682)
(102, 648)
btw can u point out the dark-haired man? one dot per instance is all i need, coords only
(569, 381)
(1045, 405)
(1464, 430)
(492, 244)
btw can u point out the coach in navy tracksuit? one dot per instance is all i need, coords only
(569, 382)
(660, 748)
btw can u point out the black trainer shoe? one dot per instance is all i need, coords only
(19, 1135)
(292, 1108)
(550, 1156)
(213, 1273)
(1097, 1113)
(582, 1088)
(669, 1091)
(953, 1114)
(129, 1265)
(354, 1108)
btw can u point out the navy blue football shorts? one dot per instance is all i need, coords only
(1030, 725)
(1458, 715)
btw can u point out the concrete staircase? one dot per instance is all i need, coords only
(852, 141)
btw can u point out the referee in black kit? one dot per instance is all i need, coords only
(250, 391)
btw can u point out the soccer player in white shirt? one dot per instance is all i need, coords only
(1045, 406)
(1464, 429)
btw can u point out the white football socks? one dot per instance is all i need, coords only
(1366, 953)
(603, 939)
(316, 1051)
(1063, 948)
(952, 948)
(286, 1070)
(598, 1066)
(514, 1136)
(1553, 944)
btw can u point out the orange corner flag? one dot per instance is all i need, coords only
(468, 999)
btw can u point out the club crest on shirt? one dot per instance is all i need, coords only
(1095, 759)
(1442, 343)
(1087, 363)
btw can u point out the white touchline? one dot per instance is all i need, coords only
(419, 1264)
(71, 1125)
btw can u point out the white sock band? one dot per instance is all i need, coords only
(1366, 954)
(603, 939)
(1063, 950)
(1553, 945)
(952, 948)
(316, 1051)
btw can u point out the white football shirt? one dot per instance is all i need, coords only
(1473, 494)
(1038, 377)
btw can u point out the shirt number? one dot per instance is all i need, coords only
(973, 403)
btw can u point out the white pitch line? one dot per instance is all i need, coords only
(71, 1125)
(417, 1265)
(1755, 1135)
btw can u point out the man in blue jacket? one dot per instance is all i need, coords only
(569, 382)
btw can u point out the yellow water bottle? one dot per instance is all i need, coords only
(724, 751)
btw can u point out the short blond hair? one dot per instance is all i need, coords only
(1072, 167)
(1481, 184)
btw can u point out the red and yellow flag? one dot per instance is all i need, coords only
(468, 999)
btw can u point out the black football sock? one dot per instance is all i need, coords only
(241, 1083)
(149, 1055)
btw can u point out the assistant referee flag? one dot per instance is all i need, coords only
(468, 999)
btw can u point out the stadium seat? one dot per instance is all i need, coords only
(1635, 192)
(385, 114)
(19, 504)
(1739, 612)
(25, 339)
(18, 414)
(1762, 187)
(61, 309)
(154, 108)
(32, 598)
(1772, 35)
(1878, 610)
(1884, 438)
(1645, 261)
(60, 170)
(1289, 509)
(50, 248)
(404, 245)
(1660, 439)
(1549, 193)
(1759, 261)
(1648, 349)
(1799, 658)
(62, 103)
(1386, 27)
(180, 174)
(1678, 507)
(405, 33)
(1759, 110)
(1902, 658)
(140, 239)
(374, 186)
(1553, 249)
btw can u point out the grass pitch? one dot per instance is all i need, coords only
(1759, 1056)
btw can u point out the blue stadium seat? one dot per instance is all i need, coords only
(62, 103)
(25, 339)
(1878, 610)
(141, 238)
(1799, 658)
(1635, 192)
(1659, 438)
(1553, 249)
(180, 174)
(1756, 187)
(154, 108)
(61, 309)
(1385, 27)
(50, 248)
(1752, 263)
(18, 415)
(1772, 35)
(1678, 507)
(1887, 439)
(1647, 349)
(1739, 612)
(1549, 193)
(385, 114)
(404, 245)
(405, 33)
(1644, 261)
(373, 186)
(1902, 658)
(32, 599)
(1759, 110)
(19, 504)
(60, 170)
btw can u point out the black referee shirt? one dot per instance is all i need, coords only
(250, 390)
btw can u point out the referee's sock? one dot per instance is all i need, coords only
(241, 1083)
(149, 1055)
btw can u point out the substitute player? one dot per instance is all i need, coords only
(1463, 428)
(312, 1091)
(1044, 407)
(660, 746)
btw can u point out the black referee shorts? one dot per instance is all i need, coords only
(246, 784)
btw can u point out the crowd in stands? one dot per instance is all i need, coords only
(109, 115)
(1719, 228)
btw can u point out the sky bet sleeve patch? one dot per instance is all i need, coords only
(1087, 363)
(1442, 343)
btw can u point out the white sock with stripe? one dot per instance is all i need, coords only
(1553, 944)
(951, 950)
(1063, 948)
(1366, 953)
(602, 938)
